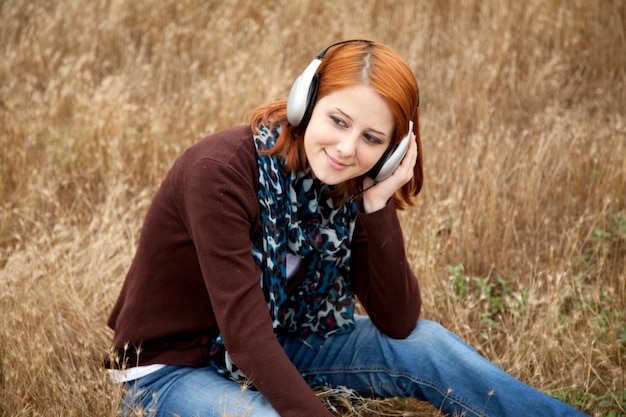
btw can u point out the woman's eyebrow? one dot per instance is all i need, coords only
(347, 116)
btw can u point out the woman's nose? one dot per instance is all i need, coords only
(347, 145)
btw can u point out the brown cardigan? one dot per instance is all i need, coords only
(193, 275)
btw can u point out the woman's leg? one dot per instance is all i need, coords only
(431, 364)
(192, 392)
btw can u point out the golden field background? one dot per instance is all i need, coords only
(518, 238)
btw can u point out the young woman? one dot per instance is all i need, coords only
(260, 238)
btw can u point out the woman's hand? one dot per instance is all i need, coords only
(376, 196)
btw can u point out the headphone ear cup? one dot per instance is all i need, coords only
(311, 100)
(392, 157)
(299, 100)
(373, 173)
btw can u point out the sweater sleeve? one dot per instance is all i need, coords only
(382, 276)
(219, 206)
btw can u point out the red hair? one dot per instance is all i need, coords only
(344, 65)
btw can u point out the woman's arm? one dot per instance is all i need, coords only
(221, 211)
(382, 276)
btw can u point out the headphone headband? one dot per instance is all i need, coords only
(322, 53)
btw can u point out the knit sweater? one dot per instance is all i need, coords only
(193, 275)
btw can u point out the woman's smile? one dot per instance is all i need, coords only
(336, 164)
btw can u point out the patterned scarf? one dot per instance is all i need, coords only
(298, 218)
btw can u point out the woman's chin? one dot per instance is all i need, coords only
(328, 178)
(331, 176)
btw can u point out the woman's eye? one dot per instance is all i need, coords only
(338, 121)
(373, 139)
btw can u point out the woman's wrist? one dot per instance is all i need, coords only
(370, 206)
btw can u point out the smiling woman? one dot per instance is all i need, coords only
(256, 247)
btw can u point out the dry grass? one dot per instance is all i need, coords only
(519, 237)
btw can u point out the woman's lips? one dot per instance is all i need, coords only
(335, 164)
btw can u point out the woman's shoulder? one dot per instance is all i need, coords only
(229, 149)
(229, 153)
(226, 144)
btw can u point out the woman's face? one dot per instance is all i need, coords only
(349, 131)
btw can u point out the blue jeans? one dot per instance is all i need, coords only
(432, 364)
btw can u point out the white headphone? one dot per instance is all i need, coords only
(302, 98)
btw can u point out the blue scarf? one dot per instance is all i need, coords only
(297, 217)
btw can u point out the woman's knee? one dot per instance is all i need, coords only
(430, 335)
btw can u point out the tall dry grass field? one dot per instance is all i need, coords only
(518, 238)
